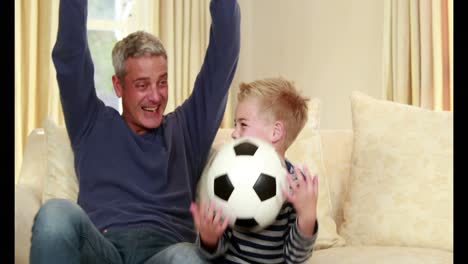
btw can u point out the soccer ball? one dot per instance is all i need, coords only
(245, 178)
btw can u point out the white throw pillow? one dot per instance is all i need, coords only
(307, 150)
(61, 181)
(401, 185)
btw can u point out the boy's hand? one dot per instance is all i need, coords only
(209, 225)
(303, 196)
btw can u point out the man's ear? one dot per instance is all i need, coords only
(279, 132)
(117, 86)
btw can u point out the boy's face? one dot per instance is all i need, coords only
(251, 122)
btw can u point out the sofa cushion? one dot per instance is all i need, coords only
(381, 255)
(34, 165)
(61, 180)
(401, 185)
(337, 145)
(307, 149)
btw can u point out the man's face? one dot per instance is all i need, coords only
(250, 122)
(143, 92)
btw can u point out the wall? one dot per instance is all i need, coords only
(328, 47)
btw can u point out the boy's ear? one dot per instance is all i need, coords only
(117, 86)
(279, 132)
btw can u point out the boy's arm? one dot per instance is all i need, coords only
(297, 246)
(204, 109)
(74, 67)
(223, 244)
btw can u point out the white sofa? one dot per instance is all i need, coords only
(337, 157)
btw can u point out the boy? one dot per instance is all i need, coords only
(272, 110)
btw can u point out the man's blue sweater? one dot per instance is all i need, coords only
(128, 180)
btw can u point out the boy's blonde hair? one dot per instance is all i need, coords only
(281, 100)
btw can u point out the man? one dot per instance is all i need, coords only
(137, 171)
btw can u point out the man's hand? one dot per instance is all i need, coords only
(303, 196)
(208, 222)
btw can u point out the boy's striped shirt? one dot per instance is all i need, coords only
(281, 242)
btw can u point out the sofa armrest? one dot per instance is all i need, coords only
(27, 203)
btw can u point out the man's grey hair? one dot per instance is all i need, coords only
(136, 44)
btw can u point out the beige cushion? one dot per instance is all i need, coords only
(61, 180)
(337, 145)
(34, 166)
(401, 185)
(381, 255)
(307, 150)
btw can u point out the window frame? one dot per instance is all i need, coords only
(138, 18)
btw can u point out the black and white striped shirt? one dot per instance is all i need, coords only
(281, 242)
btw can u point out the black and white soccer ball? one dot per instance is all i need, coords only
(245, 178)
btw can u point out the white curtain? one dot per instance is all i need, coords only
(183, 26)
(36, 91)
(418, 53)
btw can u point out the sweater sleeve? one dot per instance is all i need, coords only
(298, 247)
(220, 250)
(74, 67)
(204, 109)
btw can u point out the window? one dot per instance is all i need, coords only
(108, 22)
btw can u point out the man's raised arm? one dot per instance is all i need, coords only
(74, 67)
(205, 108)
